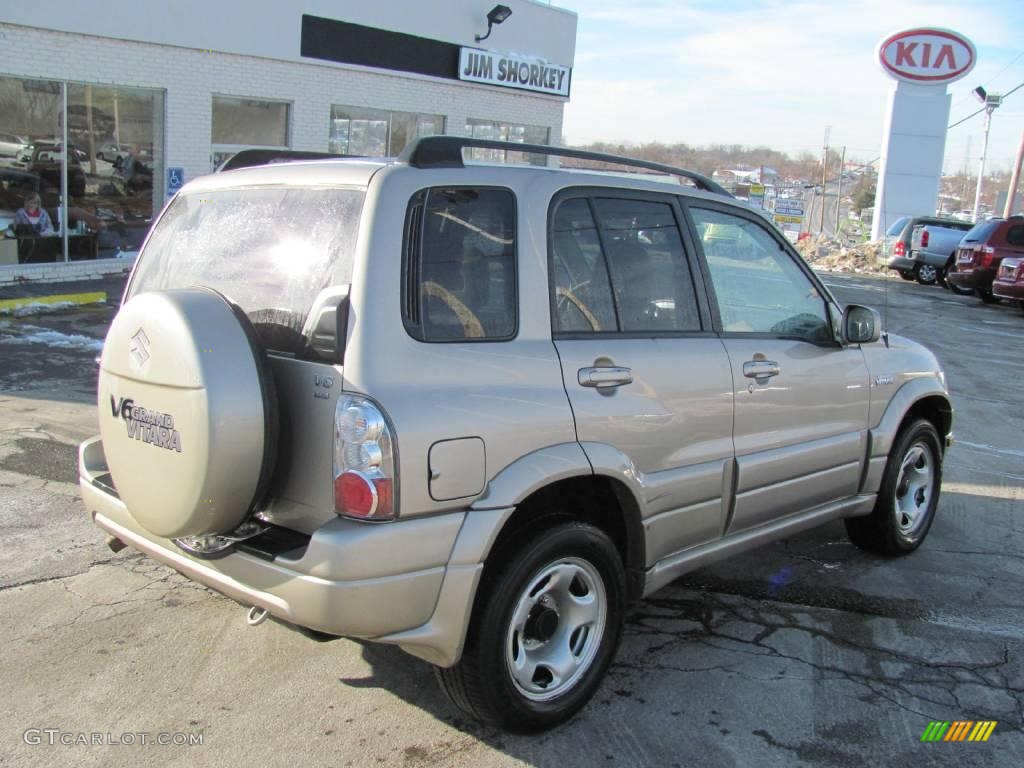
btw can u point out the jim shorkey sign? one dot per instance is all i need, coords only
(923, 61)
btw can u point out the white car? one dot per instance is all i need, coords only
(11, 145)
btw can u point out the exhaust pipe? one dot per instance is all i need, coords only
(115, 544)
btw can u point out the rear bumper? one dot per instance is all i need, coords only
(395, 582)
(902, 263)
(975, 278)
(1007, 290)
(936, 260)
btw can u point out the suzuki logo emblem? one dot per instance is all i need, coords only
(139, 347)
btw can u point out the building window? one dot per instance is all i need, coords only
(244, 123)
(115, 152)
(370, 132)
(513, 132)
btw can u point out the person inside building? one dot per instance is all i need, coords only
(31, 220)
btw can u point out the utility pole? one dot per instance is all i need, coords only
(1014, 180)
(839, 191)
(991, 101)
(824, 177)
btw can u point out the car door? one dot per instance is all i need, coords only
(647, 377)
(801, 398)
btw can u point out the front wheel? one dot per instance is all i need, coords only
(547, 621)
(926, 274)
(908, 497)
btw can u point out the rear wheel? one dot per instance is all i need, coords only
(547, 621)
(986, 296)
(906, 274)
(908, 497)
(926, 274)
(951, 267)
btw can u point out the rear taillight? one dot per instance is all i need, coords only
(900, 249)
(924, 239)
(364, 461)
(984, 255)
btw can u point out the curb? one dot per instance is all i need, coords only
(95, 297)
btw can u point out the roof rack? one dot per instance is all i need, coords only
(247, 158)
(446, 152)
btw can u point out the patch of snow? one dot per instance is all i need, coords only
(54, 339)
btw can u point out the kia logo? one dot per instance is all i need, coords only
(927, 56)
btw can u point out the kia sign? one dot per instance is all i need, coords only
(927, 56)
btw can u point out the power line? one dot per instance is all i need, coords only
(958, 122)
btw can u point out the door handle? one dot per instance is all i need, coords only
(605, 377)
(761, 370)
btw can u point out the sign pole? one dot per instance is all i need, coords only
(839, 192)
(1014, 180)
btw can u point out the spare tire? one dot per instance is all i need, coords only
(188, 412)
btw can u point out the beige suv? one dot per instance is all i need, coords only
(476, 411)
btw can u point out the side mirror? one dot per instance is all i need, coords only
(861, 325)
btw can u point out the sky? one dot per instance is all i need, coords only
(763, 72)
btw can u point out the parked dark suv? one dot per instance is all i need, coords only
(982, 250)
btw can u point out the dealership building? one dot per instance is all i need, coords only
(150, 95)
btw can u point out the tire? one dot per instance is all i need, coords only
(926, 274)
(987, 297)
(513, 610)
(951, 267)
(906, 274)
(908, 496)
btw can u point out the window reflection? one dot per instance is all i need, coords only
(499, 131)
(112, 156)
(370, 132)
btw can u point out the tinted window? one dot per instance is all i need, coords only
(897, 226)
(460, 265)
(582, 295)
(759, 287)
(980, 232)
(270, 250)
(1015, 235)
(650, 278)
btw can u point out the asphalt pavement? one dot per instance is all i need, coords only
(805, 652)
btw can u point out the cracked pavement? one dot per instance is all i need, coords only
(804, 652)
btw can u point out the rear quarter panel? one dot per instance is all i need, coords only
(509, 394)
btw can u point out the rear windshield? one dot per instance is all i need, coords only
(270, 250)
(897, 226)
(980, 232)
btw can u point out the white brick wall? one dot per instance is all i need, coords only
(61, 272)
(190, 77)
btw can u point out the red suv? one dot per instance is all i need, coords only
(982, 250)
(1009, 282)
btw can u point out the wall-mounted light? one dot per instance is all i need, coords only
(496, 15)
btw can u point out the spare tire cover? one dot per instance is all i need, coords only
(186, 408)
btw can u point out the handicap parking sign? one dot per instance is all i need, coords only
(175, 180)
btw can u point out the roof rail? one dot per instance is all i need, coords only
(247, 158)
(446, 152)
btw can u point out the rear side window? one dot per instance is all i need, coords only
(1015, 235)
(619, 265)
(979, 233)
(460, 265)
(270, 250)
(897, 226)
